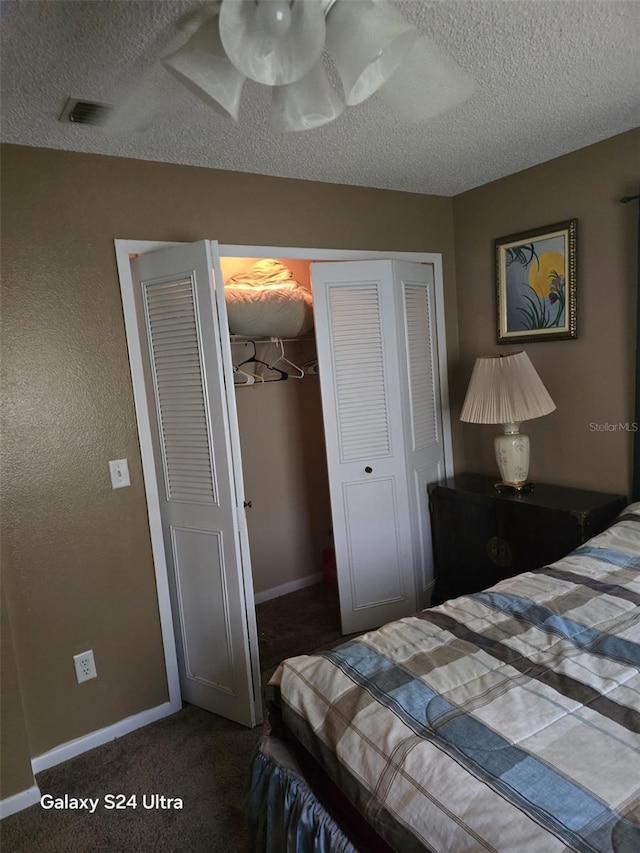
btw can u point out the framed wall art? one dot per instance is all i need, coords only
(536, 284)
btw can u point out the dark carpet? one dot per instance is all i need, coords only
(192, 755)
(298, 623)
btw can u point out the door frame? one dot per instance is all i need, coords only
(124, 250)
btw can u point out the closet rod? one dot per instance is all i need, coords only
(243, 339)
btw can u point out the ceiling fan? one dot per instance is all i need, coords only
(317, 56)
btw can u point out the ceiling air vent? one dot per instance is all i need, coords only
(84, 112)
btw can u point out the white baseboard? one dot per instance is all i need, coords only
(18, 802)
(83, 744)
(283, 589)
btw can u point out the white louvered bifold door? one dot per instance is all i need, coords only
(179, 324)
(358, 359)
(424, 441)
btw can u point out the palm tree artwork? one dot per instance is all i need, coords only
(535, 285)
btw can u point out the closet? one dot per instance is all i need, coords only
(351, 449)
(282, 444)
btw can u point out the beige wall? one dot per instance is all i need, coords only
(591, 378)
(77, 565)
(15, 770)
(285, 476)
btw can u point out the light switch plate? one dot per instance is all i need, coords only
(119, 473)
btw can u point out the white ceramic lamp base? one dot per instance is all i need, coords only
(512, 456)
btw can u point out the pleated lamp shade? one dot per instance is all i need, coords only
(505, 389)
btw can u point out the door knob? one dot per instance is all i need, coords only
(247, 504)
(368, 469)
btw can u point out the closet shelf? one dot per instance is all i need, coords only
(261, 339)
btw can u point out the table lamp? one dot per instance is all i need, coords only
(507, 390)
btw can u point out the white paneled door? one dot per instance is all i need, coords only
(424, 436)
(377, 356)
(199, 481)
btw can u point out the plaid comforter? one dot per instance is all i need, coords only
(506, 721)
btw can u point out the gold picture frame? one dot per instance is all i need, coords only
(536, 284)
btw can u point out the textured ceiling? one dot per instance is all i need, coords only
(551, 76)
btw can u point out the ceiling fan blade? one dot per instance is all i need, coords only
(136, 106)
(428, 83)
(145, 89)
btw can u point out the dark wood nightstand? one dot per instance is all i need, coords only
(481, 536)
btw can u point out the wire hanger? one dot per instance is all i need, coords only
(281, 358)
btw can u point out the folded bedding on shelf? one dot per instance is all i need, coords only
(266, 301)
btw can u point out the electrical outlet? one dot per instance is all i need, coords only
(85, 666)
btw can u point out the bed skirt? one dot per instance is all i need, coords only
(283, 815)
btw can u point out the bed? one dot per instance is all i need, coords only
(507, 720)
